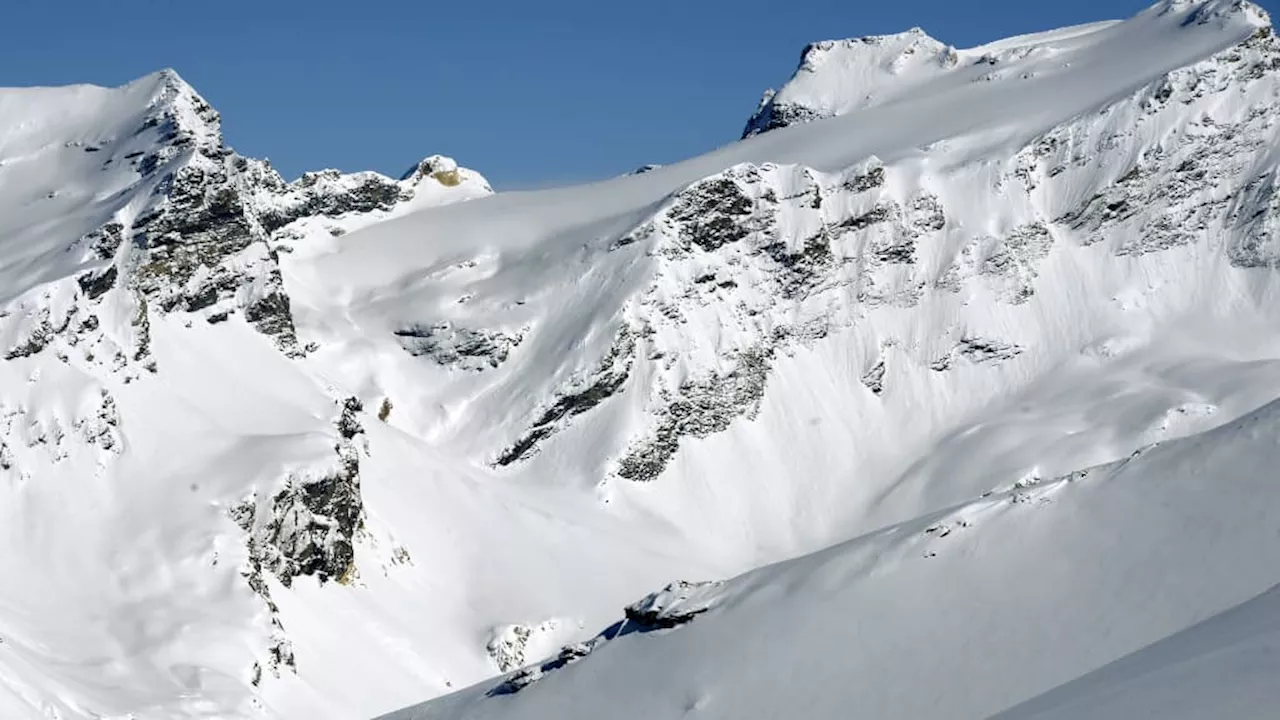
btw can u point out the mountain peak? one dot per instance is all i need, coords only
(1203, 11)
(835, 76)
(916, 36)
(443, 169)
(175, 102)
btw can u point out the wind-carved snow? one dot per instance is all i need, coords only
(331, 447)
(756, 260)
(801, 230)
(840, 76)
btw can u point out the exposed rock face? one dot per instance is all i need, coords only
(513, 646)
(1179, 191)
(507, 648)
(607, 380)
(772, 114)
(306, 528)
(1008, 265)
(199, 239)
(459, 347)
(309, 527)
(771, 257)
(331, 193)
(673, 606)
(764, 258)
(697, 409)
(977, 351)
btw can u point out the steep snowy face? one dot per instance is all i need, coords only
(164, 212)
(1160, 562)
(840, 76)
(753, 319)
(972, 297)
(836, 77)
(330, 447)
(129, 232)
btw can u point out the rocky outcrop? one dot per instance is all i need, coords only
(1185, 189)
(307, 527)
(510, 646)
(1007, 265)
(977, 351)
(673, 606)
(770, 255)
(31, 438)
(607, 380)
(698, 408)
(199, 238)
(772, 114)
(458, 347)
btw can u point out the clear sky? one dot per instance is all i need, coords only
(528, 92)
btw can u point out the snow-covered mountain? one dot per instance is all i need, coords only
(949, 391)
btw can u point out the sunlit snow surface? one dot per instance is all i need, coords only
(976, 388)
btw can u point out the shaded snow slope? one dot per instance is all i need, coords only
(1225, 666)
(965, 612)
(331, 447)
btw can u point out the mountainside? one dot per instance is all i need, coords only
(964, 362)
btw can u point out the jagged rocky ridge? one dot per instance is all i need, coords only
(201, 234)
(775, 256)
(196, 234)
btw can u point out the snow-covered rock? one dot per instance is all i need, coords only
(332, 447)
(840, 76)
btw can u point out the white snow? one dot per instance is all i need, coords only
(972, 610)
(1225, 666)
(1017, 421)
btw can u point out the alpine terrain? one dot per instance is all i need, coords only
(952, 390)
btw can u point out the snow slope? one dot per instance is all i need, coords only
(333, 447)
(1225, 666)
(965, 612)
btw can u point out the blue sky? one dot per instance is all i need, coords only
(527, 92)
